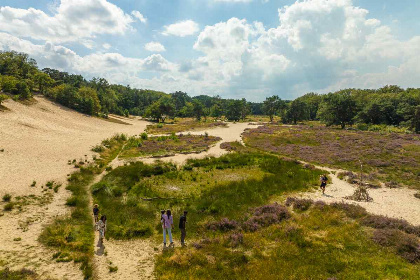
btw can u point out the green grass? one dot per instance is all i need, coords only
(167, 145)
(73, 236)
(320, 243)
(183, 124)
(208, 188)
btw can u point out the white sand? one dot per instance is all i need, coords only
(38, 140)
(396, 203)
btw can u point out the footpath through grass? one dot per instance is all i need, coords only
(133, 195)
(73, 236)
(388, 157)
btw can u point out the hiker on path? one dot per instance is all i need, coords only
(324, 180)
(168, 223)
(96, 212)
(102, 228)
(182, 222)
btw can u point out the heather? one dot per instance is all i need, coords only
(287, 243)
(167, 145)
(388, 157)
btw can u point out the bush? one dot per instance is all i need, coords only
(351, 210)
(144, 136)
(7, 197)
(382, 222)
(223, 225)
(265, 216)
(417, 195)
(9, 206)
(406, 245)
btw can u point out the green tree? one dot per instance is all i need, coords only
(88, 101)
(8, 83)
(245, 109)
(297, 111)
(43, 81)
(272, 105)
(22, 90)
(233, 110)
(198, 109)
(338, 109)
(216, 111)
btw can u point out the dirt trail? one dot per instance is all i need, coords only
(38, 140)
(135, 258)
(395, 203)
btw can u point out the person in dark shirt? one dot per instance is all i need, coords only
(96, 212)
(182, 226)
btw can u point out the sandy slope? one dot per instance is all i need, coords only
(38, 140)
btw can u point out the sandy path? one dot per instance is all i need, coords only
(395, 203)
(228, 134)
(135, 258)
(38, 140)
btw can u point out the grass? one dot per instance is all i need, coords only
(7, 197)
(22, 274)
(317, 243)
(208, 188)
(167, 145)
(388, 157)
(9, 206)
(183, 124)
(73, 236)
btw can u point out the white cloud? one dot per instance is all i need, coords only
(181, 28)
(234, 1)
(73, 20)
(106, 46)
(154, 47)
(139, 16)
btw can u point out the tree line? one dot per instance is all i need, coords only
(20, 77)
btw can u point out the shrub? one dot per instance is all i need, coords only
(144, 136)
(417, 195)
(302, 204)
(392, 185)
(98, 148)
(406, 245)
(382, 222)
(223, 225)
(113, 268)
(351, 210)
(235, 239)
(7, 197)
(33, 184)
(9, 206)
(265, 216)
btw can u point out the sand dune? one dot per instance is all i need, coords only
(38, 140)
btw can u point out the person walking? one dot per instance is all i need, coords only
(182, 224)
(324, 180)
(168, 223)
(102, 228)
(96, 212)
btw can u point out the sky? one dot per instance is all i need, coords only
(233, 48)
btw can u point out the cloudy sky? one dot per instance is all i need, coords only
(234, 48)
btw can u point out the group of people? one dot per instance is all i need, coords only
(166, 220)
(100, 223)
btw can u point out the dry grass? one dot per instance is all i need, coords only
(183, 124)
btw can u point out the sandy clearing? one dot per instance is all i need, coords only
(38, 140)
(233, 132)
(396, 203)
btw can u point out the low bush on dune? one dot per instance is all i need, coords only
(382, 222)
(22, 274)
(7, 197)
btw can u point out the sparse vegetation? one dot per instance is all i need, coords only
(22, 274)
(9, 206)
(7, 197)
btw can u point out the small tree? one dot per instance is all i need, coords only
(245, 109)
(272, 105)
(43, 80)
(297, 111)
(198, 109)
(22, 90)
(233, 110)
